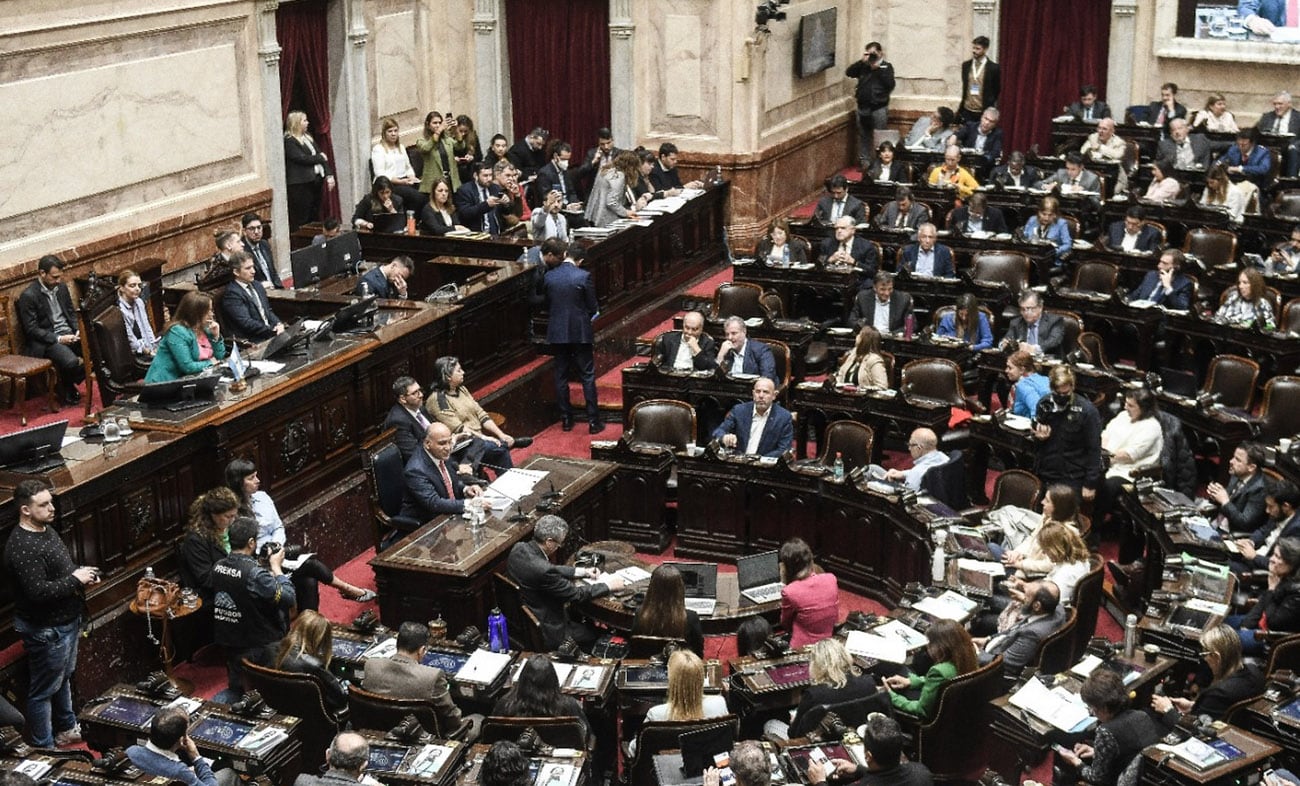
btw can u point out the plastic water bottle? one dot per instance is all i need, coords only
(410, 222)
(1130, 635)
(148, 573)
(837, 469)
(909, 327)
(939, 561)
(498, 634)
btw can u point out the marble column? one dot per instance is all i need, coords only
(986, 16)
(622, 74)
(491, 70)
(1123, 44)
(268, 48)
(350, 124)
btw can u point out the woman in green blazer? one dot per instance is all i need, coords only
(191, 343)
(433, 144)
(952, 652)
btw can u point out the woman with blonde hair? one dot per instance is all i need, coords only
(1060, 504)
(308, 649)
(686, 698)
(389, 159)
(1220, 191)
(833, 678)
(1231, 680)
(306, 169)
(952, 654)
(1063, 547)
(864, 366)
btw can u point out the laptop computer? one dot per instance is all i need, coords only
(701, 580)
(391, 223)
(759, 576)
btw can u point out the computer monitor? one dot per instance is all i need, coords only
(310, 265)
(699, 746)
(758, 570)
(193, 388)
(344, 254)
(359, 311)
(700, 578)
(389, 223)
(281, 343)
(32, 444)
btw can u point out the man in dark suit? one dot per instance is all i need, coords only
(529, 154)
(1022, 628)
(664, 175)
(1185, 149)
(254, 230)
(739, 355)
(771, 421)
(984, 136)
(433, 487)
(556, 176)
(477, 201)
(838, 202)
(597, 158)
(902, 212)
(571, 308)
(688, 349)
(1088, 108)
(1241, 502)
(1161, 113)
(1248, 158)
(387, 280)
(881, 306)
(1166, 285)
(404, 676)
(50, 326)
(245, 306)
(1015, 173)
(846, 249)
(1284, 121)
(347, 758)
(1131, 234)
(981, 81)
(1033, 331)
(977, 216)
(1072, 178)
(926, 256)
(1281, 502)
(548, 589)
(407, 419)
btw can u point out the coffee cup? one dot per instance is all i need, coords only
(1284, 445)
(1150, 652)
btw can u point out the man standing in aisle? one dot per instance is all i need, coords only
(48, 591)
(875, 77)
(571, 309)
(981, 82)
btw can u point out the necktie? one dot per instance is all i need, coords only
(446, 480)
(421, 419)
(1160, 118)
(261, 261)
(1277, 122)
(837, 210)
(1031, 335)
(844, 250)
(261, 312)
(489, 219)
(1087, 113)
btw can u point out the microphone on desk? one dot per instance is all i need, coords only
(552, 495)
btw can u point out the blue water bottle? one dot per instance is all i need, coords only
(498, 634)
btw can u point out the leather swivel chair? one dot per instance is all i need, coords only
(1212, 246)
(383, 463)
(524, 625)
(1233, 378)
(299, 695)
(1279, 416)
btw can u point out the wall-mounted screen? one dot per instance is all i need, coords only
(816, 49)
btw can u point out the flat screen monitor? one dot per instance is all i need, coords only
(195, 388)
(816, 43)
(701, 745)
(32, 444)
(344, 254)
(355, 313)
(310, 265)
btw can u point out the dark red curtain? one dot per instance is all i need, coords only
(559, 68)
(1048, 49)
(304, 76)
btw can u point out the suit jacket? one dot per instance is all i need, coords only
(777, 436)
(300, 163)
(404, 678)
(1029, 176)
(943, 266)
(992, 143)
(1099, 110)
(1051, 332)
(331, 777)
(899, 172)
(377, 282)
(527, 159)
(432, 221)
(1019, 644)
(863, 253)
(1256, 166)
(669, 343)
(994, 221)
(1244, 509)
(471, 210)
(264, 249)
(431, 152)
(991, 86)
(38, 320)
(1265, 124)
(916, 215)
(547, 588)
(541, 221)
(570, 304)
(1200, 147)
(178, 355)
(1179, 298)
(852, 207)
(608, 199)
(1290, 529)
(550, 178)
(1088, 181)
(408, 433)
(1153, 112)
(242, 319)
(758, 360)
(1058, 233)
(864, 309)
(426, 495)
(1148, 237)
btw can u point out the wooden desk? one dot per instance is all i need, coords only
(640, 497)
(391, 762)
(888, 414)
(446, 566)
(1161, 769)
(473, 775)
(1179, 642)
(1274, 720)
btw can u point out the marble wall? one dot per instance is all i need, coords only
(125, 119)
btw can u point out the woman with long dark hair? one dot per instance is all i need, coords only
(536, 694)
(810, 601)
(952, 654)
(664, 612)
(452, 405)
(207, 540)
(967, 322)
(241, 478)
(1248, 303)
(191, 342)
(1278, 608)
(381, 200)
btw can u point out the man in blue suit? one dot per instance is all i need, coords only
(1247, 158)
(760, 427)
(246, 308)
(926, 256)
(433, 487)
(1166, 285)
(477, 202)
(264, 261)
(739, 355)
(1132, 234)
(983, 136)
(387, 280)
(571, 308)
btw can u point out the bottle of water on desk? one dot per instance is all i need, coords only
(837, 469)
(498, 635)
(1130, 635)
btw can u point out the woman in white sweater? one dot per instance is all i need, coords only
(1133, 440)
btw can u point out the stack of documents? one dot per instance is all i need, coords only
(1057, 706)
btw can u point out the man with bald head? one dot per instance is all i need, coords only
(924, 447)
(760, 427)
(433, 487)
(1104, 144)
(688, 349)
(1023, 627)
(1185, 149)
(347, 758)
(739, 355)
(845, 249)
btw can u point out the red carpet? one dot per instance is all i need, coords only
(706, 288)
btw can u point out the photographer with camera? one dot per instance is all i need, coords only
(251, 603)
(875, 77)
(1069, 428)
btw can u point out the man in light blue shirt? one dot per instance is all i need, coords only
(170, 753)
(924, 447)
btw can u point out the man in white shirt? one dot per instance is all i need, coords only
(1103, 144)
(760, 427)
(689, 349)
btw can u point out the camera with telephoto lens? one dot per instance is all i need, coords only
(291, 552)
